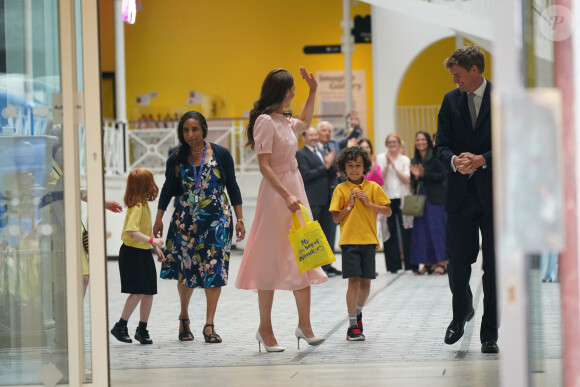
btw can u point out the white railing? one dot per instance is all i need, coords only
(126, 147)
(411, 119)
(114, 147)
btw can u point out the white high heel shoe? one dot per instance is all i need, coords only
(311, 341)
(275, 348)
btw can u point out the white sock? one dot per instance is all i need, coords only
(352, 319)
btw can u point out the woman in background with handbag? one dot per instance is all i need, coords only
(269, 263)
(396, 174)
(428, 236)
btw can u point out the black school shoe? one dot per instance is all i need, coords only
(143, 337)
(121, 333)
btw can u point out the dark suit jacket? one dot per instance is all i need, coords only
(433, 180)
(455, 136)
(317, 179)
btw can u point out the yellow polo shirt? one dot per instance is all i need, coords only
(138, 218)
(359, 227)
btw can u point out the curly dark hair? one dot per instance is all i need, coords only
(273, 92)
(466, 57)
(184, 150)
(351, 154)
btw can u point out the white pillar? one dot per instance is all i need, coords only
(347, 48)
(511, 270)
(120, 90)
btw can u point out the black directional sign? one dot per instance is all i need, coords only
(330, 49)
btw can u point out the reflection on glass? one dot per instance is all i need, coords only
(33, 311)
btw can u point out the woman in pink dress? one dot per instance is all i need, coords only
(268, 263)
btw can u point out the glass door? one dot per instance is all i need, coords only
(43, 84)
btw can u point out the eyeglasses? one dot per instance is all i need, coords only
(287, 113)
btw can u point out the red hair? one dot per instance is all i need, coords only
(141, 187)
(395, 135)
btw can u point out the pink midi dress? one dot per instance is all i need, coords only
(269, 262)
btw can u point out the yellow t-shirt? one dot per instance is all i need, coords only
(55, 174)
(359, 227)
(138, 218)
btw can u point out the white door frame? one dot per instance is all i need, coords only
(90, 102)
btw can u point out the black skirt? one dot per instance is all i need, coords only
(137, 270)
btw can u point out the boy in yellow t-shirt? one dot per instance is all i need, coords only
(354, 205)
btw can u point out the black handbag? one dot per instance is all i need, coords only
(414, 205)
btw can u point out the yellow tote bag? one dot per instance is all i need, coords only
(309, 243)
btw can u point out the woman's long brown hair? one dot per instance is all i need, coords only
(274, 89)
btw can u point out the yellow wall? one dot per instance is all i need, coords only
(224, 49)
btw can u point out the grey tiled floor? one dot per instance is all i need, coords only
(405, 321)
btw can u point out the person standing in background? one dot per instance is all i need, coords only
(397, 177)
(374, 173)
(428, 235)
(317, 172)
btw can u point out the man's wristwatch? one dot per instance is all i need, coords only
(348, 207)
(241, 220)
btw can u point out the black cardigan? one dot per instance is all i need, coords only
(433, 180)
(172, 186)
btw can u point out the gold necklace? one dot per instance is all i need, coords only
(197, 152)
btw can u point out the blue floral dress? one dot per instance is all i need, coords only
(200, 234)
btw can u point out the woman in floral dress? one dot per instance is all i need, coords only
(199, 238)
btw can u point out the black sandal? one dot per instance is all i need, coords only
(186, 335)
(440, 272)
(425, 269)
(212, 338)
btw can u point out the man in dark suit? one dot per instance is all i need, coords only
(464, 149)
(318, 170)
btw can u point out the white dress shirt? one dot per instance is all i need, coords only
(477, 100)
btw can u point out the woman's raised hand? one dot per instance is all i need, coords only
(309, 78)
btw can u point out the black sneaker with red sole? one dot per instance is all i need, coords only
(354, 334)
